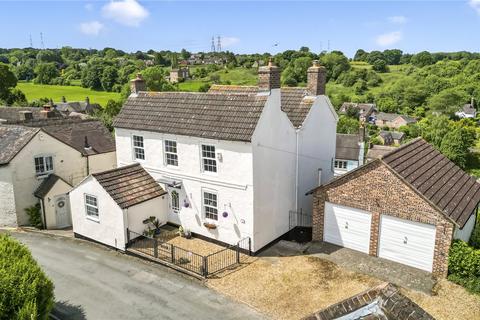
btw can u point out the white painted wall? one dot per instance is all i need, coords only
(49, 202)
(465, 233)
(137, 214)
(111, 225)
(274, 166)
(7, 198)
(232, 182)
(317, 141)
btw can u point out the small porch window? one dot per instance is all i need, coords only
(340, 164)
(175, 200)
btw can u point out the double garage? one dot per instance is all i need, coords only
(404, 241)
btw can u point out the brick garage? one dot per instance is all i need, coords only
(415, 183)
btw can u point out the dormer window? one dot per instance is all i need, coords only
(43, 165)
(209, 161)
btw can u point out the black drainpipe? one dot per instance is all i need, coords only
(43, 213)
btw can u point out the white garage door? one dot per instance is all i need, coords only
(407, 242)
(347, 227)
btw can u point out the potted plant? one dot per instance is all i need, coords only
(154, 224)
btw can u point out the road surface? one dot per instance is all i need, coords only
(92, 282)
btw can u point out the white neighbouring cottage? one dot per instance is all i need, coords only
(236, 158)
(105, 204)
(41, 159)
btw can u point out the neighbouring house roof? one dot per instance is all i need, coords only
(77, 106)
(392, 116)
(347, 147)
(13, 114)
(129, 185)
(468, 109)
(46, 185)
(376, 152)
(365, 108)
(438, 179)
(296, 102)
(229, 116)
(13, 139)
(387, 135)
(74, 131)
(384, 302)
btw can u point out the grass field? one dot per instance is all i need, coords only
(238, 76)
(72, 93)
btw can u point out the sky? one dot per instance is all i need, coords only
(244, 26)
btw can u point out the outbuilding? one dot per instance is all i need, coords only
(407, 206)
(107, 204)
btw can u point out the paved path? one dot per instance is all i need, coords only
(92, 282)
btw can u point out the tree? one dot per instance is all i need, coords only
(46, 72)
(360, 55)
(26, 292)
(155, 79)
(92, 75)
(184, 54)
(392, 56)
(109, 78)
(297, 70)
(347, 125)
(159, 60)
(380, 66)
(374, 56)
(422, 59)
(7, 80)
(455, 146)
(448, 101)
(46, 56)
(336, 63)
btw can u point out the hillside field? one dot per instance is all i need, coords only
(72, 93)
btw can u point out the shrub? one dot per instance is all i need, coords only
(35, 216)
(25, 290)
(464, 265)
(475, 237)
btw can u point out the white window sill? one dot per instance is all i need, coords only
(43, 175)
(93, 219)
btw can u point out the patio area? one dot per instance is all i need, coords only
(194, 255)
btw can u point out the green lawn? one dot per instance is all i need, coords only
(72, 93)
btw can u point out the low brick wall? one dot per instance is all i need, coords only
(376, 189)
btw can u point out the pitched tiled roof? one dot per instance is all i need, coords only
(46, 185)
(347, 147)
(129, 185)
(392, 116)
(377, 151)
(12, 140)
(13, 114)
(438, 179)
(295, 100)
(73, 132)
(231, 116)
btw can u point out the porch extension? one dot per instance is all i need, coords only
(193, 256)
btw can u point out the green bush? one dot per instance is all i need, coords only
(475, 237)
(25, 290)
(35, 216)
(464, 265)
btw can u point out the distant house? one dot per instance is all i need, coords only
(367, 111)
(105, 204)
(467, 111)
(17, 115)
(178, 75)
(393, 120)
(41, 160)
(406, 207)
(82, 107)
(391, 137)
(349, 153)
(377, 152)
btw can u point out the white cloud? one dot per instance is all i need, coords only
(399, 19)
(89, 7)
(388, 39)
(92, 28)
(126, 12)
(475, 4)
(229, 41)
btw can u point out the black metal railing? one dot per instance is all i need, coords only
(188, 260)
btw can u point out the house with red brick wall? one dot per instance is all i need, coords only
(407, 206)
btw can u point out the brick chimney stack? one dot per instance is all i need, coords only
(138, 84)
(316, 79)
(269, 77)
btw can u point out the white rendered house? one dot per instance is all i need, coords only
(235, 160)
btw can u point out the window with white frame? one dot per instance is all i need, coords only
(171, 156)
(138, 148)
(209, 161)
(91, 206)
(340, 164)
(175, 200)
(43, 165)
(210, 205)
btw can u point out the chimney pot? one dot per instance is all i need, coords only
(316, 79)
(269, 77)
(138, 84)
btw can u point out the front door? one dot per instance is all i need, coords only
(61, 211)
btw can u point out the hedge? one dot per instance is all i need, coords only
(25, 290)
(464, 265)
